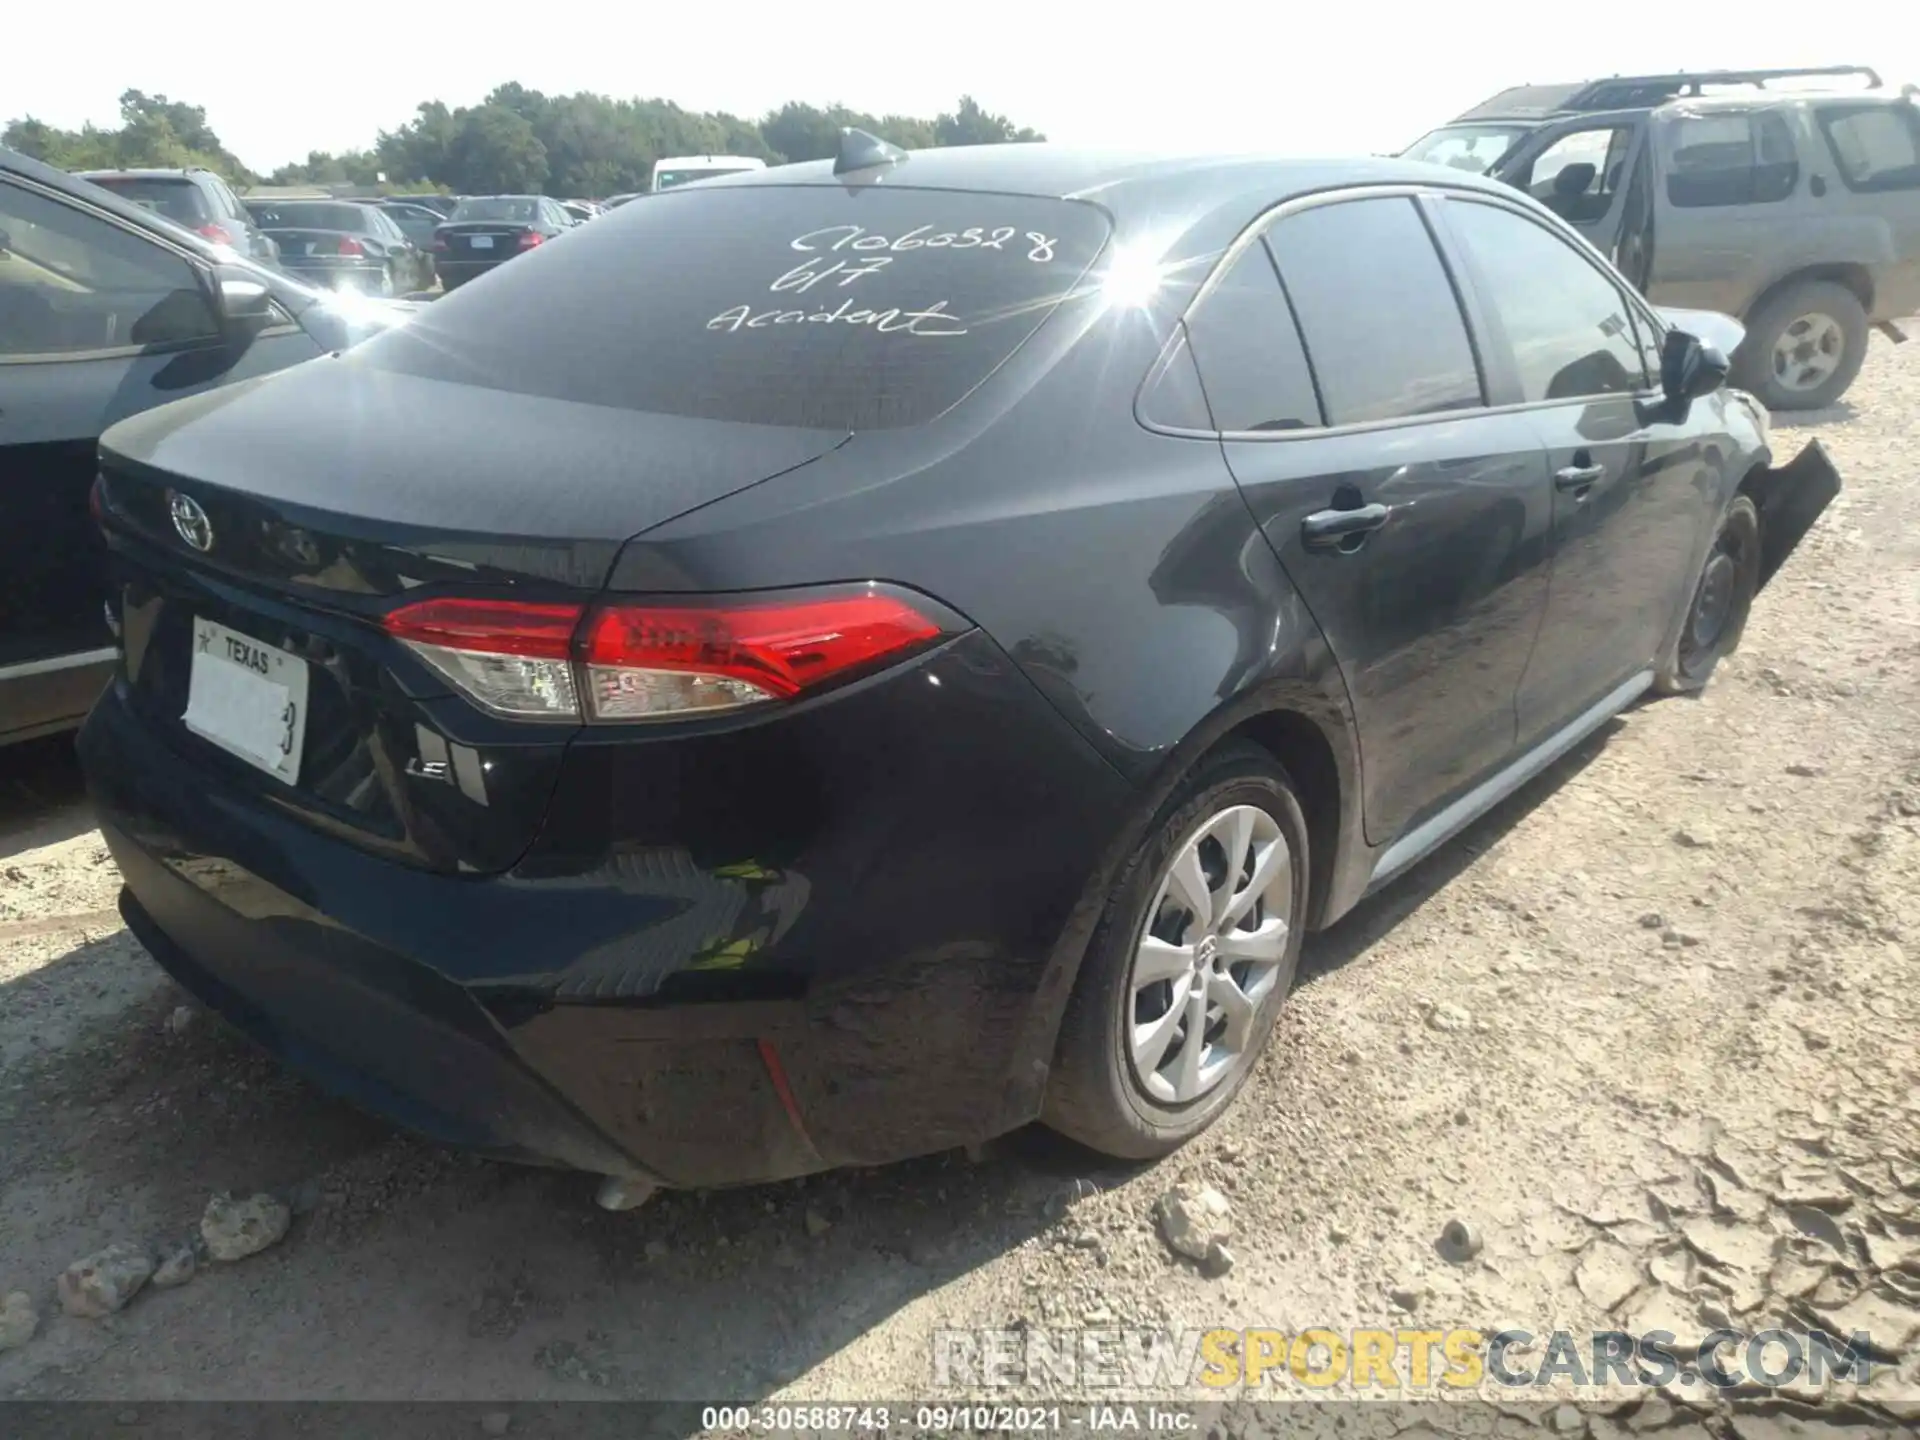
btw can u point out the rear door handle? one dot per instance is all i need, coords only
(1578, 477)
(1342, 529)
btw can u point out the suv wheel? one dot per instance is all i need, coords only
(1191, 963)
(1803, 346)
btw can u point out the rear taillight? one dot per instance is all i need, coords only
(644, 661)
(531, 238)
(97, 500)
(219, 234)
(439, 242)
(350, 246)
(650, 661)
(507, 656)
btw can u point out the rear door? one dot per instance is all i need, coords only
(1632, 479)
(97, 321)
(1338, 365)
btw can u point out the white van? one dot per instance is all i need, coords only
(683, 169)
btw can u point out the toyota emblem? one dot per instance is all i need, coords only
(190, 521)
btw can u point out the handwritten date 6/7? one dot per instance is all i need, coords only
(1040, 248)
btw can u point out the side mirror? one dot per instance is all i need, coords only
(1690, 368)
(245, 299)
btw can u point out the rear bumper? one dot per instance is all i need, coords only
(364, 275)
(878, 988)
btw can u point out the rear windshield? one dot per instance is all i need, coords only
(179, 200)
(515, 209)
(816, 305)
(312, 217)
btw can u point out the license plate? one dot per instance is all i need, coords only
(482, 242)
(248, 698)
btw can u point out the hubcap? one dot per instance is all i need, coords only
(1808, 352)
(1710, 611)
(1209, 954)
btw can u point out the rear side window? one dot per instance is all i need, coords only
(808, 305)
(1378, 313)
(1737, 158)
(1247, 347)
(180, 200)
(1876, 147)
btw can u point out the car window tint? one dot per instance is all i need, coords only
(179, 200)
(1381, 322)
(1248, 350)
(1876, 147)
(1730, 158)
(807, 305)
(1570, 328)
(72, 282)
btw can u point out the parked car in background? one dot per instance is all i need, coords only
(195, 198)
(787, 720)
(416, 222)
(486, 231)
(582, 210)
(1796, 211)
(441, 205)
(341, 245)
(614, 202)
(106, 309)
(675, 170)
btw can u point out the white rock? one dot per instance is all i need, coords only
(1448, 1018)
(18, 1320)
(177, 1266)
(104, 1281)
(235, 1229)
(1193, 1219)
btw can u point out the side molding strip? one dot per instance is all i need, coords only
(1428, 836)
(58, 662)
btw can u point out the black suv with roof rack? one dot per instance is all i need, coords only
(1795, 210)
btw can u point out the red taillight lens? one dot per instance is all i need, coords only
(530, 239)
(439, 242)
(351, 246)
(219, 234)
(645, 661)
(97, 500)
(508, 656)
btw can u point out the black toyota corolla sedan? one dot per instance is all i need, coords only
(838, 663)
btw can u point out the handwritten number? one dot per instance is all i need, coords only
(1042, 246)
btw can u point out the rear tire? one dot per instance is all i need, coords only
(1132, 1078)
(1722, 598)
(1804, 346)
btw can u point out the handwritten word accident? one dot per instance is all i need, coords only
(841, 255)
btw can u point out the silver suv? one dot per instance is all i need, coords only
(1796, 211)
(195, 198)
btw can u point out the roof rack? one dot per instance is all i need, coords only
(1626, 92)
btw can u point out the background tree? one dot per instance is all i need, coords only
(515, 140)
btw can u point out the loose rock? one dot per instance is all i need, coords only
(235, 1229)
(1447, 1017)
(18, 1320)
(1459, 1242)
(104, 1281)
(177, 1266)
(1218, 1262)
(1193, 1219)
(1405, 1297)
(180, 1021)
(1653, 920)
(1693, 837)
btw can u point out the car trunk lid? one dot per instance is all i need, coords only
(278, 522)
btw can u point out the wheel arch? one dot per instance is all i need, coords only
(1849, 275)
(1308, 729)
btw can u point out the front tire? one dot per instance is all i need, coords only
(1722, 598)
(1191, 962)
(1803, 347)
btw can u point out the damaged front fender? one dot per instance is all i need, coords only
(1791, 498)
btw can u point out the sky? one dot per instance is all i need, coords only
(278, 80)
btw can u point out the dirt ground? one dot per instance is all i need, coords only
(1648, 1030)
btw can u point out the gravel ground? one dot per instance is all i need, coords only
(1647, 1031)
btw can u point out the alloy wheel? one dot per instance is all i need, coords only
(1808, 352)
(1209, 953)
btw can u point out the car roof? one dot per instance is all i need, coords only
(1128, 183)
(148, 174)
